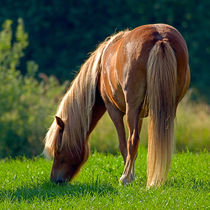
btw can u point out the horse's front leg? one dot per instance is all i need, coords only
(117, 118)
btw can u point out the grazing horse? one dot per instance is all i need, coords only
(138, 73)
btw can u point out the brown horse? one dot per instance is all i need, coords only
(138, 73)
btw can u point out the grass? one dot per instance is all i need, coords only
(24, 184)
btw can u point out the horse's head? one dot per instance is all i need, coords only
(66, 164)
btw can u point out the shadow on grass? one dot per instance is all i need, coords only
(49, 191)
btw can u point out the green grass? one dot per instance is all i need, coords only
(24, 184)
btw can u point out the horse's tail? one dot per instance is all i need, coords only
(161, 95)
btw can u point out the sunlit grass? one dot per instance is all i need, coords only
(24, 184)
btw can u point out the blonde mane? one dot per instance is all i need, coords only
(76, 106)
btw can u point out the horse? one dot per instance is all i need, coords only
(136, 73)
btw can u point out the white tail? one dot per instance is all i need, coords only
(161, 94)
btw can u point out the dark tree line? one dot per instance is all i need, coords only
(61, 33)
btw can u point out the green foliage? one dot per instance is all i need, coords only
(65, 31)
(25, 185)
(25, 104)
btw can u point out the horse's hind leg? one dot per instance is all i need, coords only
(133, 168)
(134, 125)
(117, 118)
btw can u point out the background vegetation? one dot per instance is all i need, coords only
(26, 104)
(61, 33)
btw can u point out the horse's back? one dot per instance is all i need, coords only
(125, 63)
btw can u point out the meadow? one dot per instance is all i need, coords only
(24, 184)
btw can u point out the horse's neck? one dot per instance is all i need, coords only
(98, 111)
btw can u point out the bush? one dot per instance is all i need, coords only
(26, 103)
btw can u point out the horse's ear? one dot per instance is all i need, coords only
(59, 122)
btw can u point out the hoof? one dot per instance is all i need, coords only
(125, 180)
